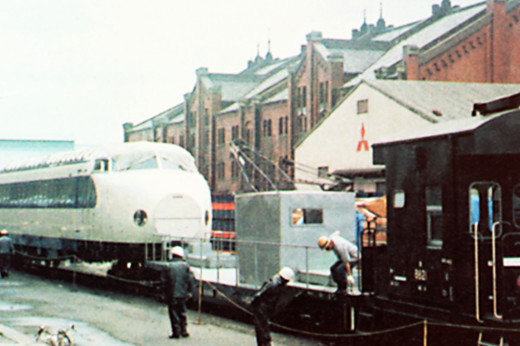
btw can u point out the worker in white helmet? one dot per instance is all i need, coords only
(348, 256)
(266, 300)
(178, 285)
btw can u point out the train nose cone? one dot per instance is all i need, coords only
(179, 216)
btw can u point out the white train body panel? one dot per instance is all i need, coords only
(132, 204)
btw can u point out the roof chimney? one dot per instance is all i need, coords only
(411, 61)
(314, 36)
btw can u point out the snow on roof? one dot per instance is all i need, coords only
(419, 39)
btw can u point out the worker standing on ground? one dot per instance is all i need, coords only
(6, 253)
(177, 280)
(348, 256)
(265, 302)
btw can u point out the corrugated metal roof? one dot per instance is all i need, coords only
(420, 39)
(441, 101)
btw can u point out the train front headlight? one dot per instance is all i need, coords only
(206, 217)
(140, 217)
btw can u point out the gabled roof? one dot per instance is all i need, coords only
(435, 102)
(267, 86)
(423, 34)
(232, 87)
(357, 55)
(442, 101)
(394, 33)
(170, 116)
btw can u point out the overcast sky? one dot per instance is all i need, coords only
(78, 69)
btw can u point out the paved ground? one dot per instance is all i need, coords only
(105, 318)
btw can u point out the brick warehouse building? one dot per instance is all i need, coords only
(273, 103)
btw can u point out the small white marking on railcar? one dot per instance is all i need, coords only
(511, 261)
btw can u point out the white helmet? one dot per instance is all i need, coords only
(177, 251)
(286, 273)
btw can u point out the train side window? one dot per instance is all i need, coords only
(399, 199)
(305, 216)
(434, 222)
(101, 165)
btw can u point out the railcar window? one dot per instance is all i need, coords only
(485, 206)
(101, 165)
(145, 164)
(304, 216)
(516, 205)
(399, 199)
(167, 163)
(434, 222)
(76, 192)
(140, 218)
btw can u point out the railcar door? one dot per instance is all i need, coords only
(486, 230)
(511, 259)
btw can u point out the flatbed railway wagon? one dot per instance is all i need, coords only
(453, 241)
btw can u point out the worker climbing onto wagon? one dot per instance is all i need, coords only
(6, 253)
(348, 257)
(265, 303)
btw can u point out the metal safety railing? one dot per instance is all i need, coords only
(253, 262)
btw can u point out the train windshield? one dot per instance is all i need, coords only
(153, 159)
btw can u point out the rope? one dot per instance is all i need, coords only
(477, 328)
(312, 333)
(303, 332)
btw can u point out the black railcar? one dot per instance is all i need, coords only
(453, 242)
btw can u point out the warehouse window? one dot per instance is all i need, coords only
(362, 106)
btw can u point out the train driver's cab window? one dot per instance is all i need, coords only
(306, 216)
(101, 165)
(434, 215)
(399, 199)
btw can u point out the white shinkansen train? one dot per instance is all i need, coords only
(104, 204)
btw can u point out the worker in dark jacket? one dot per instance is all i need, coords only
(265, 301)
(177, 281)
(6, 253)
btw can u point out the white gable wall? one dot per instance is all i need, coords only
(334, 143)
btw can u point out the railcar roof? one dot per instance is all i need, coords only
(124, 153)
(439, 129)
